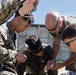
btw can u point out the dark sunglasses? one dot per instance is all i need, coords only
(29, 18)
(55, 26)
(68, 43)
(30, 22)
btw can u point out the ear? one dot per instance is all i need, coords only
(60, 22)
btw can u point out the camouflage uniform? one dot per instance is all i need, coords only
(7, 8)
(66, 20)
(7, 50)
(35, 65)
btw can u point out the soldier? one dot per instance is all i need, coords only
(55, 25)
(69, 37)
(8, 52)
(8, 7)
(37, 57)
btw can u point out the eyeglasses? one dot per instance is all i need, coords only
(30, 18)
(68, 43)
(55, 26)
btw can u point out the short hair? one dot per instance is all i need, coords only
(69, 31)
(34, 44)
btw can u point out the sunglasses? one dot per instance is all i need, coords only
(30, 18)
(68, 43)
(55, 26)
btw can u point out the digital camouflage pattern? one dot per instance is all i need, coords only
(7, 47)
(35, 65)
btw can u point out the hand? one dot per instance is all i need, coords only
(21, 58)
(28, 5)
(56, 66)
(49, 63)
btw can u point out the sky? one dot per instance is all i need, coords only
(64, 7)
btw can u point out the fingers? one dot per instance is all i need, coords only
(53, 67)
(21, 58)
(48, 64)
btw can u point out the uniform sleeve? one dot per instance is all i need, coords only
(6, 54)
(7, 8)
